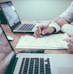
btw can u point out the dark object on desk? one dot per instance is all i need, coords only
(32, 51)
(2, 18)
(10, 38)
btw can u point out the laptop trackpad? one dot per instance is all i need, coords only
(65, 70)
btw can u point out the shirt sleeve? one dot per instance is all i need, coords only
(68, 14)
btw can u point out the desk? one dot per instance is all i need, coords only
(17, 36)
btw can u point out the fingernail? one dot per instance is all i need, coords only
(66, 40)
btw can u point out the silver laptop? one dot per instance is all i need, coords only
(13, 19)
(32, 63)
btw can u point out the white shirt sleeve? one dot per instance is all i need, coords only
(55, 25)
(67, 28)
(68, 14)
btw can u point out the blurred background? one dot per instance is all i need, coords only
(39, 9)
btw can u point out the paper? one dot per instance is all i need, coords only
(55, 41)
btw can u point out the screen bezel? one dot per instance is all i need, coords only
(16, 24)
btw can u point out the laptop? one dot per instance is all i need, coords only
(13, 19)
(32, 63)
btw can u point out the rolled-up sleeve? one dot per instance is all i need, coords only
(68, 14)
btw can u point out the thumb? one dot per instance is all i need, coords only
(45, 31)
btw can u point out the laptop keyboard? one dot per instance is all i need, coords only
(35, 66)
(27, 27)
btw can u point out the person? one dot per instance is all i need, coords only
(4, 47)
(61, 23)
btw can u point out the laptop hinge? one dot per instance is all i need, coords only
(11, 65)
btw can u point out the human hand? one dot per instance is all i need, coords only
(70, 43)
(43, 30)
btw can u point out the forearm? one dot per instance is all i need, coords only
(64, 25)
(60, 21)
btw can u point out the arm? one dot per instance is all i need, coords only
(51, 28)
(65, 18)
(68, 14)
(60, 21)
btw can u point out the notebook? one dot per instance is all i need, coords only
(54, 41)
(13, 19)
(32, 63)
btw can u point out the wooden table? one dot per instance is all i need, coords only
(17, 36)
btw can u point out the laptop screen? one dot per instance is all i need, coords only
(5, 50)
(10, 13)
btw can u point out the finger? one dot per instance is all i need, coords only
(70, 34)
(42, 28)
(49, 30)
(70, 45)
(39, 29)
(36, 34)
(70, 40)
(67, 40)
(70, 48)
(45, 31)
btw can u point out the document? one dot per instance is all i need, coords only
(55, 41)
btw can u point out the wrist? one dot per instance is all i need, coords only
(53, 30)
(55, 26)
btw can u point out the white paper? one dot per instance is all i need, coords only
(55, 41)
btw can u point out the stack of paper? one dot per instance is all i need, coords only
(55, 41)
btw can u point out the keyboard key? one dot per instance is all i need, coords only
(31, 66)
(22, 65)
(41, 66)
(27, 27)
(26, 66)
(47, 66)
(36, 68)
